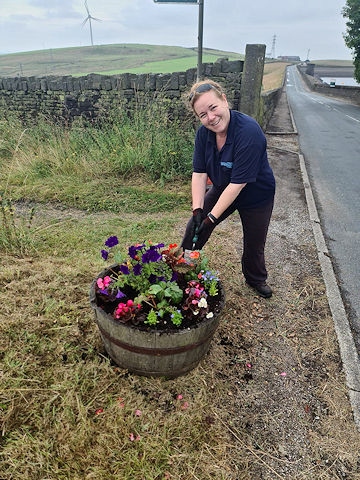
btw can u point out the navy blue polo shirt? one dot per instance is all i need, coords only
(243, 159)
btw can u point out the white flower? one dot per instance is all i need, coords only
(202, 303)
(210, 315)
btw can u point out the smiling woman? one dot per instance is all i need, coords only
(230, 150)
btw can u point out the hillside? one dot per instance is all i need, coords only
(106, 59)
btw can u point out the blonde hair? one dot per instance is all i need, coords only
(201, 87)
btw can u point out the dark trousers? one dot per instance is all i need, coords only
(255, 224)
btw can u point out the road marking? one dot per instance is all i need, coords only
(352, 118)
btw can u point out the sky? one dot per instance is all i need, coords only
(311, 30)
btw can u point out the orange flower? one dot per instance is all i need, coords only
(194, 254)
(172, 245)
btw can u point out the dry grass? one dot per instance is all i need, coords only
(244, 420)
(268, 402)
(273, 75)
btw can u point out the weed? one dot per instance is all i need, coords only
(15, 235)
(95, 166)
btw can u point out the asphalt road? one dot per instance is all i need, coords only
(329, 138)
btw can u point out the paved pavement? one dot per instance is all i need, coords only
(282, 128)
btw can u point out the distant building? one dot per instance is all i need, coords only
(289, 58)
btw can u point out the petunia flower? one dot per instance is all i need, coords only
(137, 269)
(111, 241)
(151, 255)
(124, 269)
(104, 254)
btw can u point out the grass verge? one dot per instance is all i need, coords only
(268, 402)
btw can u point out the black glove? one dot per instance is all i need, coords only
(204, 232)
(197, 218)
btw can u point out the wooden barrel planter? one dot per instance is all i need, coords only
(151, 352)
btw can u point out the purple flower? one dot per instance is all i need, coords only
(137, 269)
(120, 294)
(133, 250)
(159, 245)
(104, 254)
(151, 255)
(112, 241)
(124, 269)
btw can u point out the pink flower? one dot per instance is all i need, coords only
(179, 397)
(99, 411)
(138, 413)
(185, 405)
(103, 283)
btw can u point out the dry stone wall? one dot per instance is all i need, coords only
(65, 98)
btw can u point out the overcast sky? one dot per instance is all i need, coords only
(229, 25)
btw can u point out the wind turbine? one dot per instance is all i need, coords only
(88, 19)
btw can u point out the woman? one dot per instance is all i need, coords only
(230, 150)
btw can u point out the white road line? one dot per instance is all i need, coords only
(352, 118)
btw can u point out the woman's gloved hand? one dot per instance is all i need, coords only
(197, 218)
(204, 232)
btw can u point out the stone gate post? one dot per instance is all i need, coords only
(251, 81)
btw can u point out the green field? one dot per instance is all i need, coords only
(107, 59)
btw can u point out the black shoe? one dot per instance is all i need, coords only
(262, 289)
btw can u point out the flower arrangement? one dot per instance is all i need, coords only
(156, 286)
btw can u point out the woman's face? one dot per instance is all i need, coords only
(213, 111)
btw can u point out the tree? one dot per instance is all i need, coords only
(351, 11)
